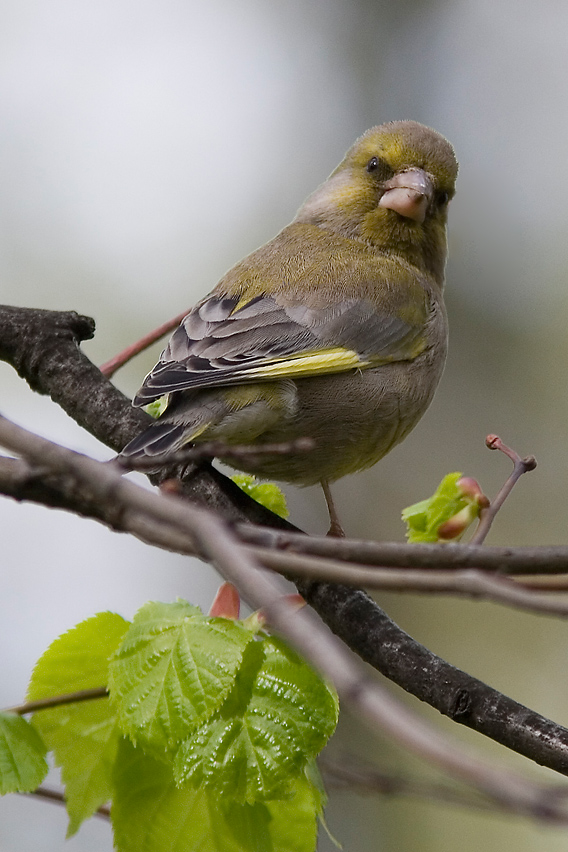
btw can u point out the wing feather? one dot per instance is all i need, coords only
(225, 342)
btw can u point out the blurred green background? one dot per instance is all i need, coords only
(144, 149)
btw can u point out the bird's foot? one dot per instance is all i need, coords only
(335, 528)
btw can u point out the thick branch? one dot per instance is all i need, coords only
(382, 643)
(43, 346)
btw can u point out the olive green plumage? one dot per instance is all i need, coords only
(335, 329)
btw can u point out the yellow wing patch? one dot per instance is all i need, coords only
(322, 361)
(243, 301)
(309, 364)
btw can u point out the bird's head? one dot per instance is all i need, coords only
(391, 190)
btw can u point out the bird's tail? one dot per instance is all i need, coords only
(159, 440)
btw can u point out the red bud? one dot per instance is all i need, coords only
(471, 490)
(295, 602)
(227, 602)
(458, 524)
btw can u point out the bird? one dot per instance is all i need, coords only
(335, 330)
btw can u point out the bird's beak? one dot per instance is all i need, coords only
(409, 193)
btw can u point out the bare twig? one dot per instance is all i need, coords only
(520, 466)
(467, 582)
(547, 583)
(59, 700)
(59, 799)
(392, 554)
(422, 578)
(110, 367)
(372, 781)
(218, 449)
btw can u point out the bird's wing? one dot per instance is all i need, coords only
(225, 342)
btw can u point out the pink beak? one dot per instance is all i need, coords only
(408, 193)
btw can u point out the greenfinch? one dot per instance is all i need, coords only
(335, 330)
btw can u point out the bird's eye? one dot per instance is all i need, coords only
(379, 168)
(442, 198)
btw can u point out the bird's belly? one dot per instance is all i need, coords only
(353, 419)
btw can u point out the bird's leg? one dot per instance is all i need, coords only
(335, 528)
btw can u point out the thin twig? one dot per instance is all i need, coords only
(393, 554)
(217, 449)
(371, 781)
(468, 582)
(59, 700)
(59, 799)
(110, 367)
(520, 466)
(553, 583)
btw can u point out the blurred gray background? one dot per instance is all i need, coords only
(144, 149)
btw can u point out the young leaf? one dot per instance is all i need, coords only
(83, 735)
(279, 714)
(151, 814)
(266, 493)
(157, 407)
(280, 825)
(173, 671)
(22, 755)
(455, 504)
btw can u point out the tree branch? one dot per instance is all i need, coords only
(469, 582)
(393, 554)
(303, 629)
(46, 354)
(348, 774)
(392, 651)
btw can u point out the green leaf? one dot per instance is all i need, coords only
(83, 735)
(173, 671)
(157, 407)
(319, 795)
(151, 814)
(268, 494)
(22, 755)
(280, 825)
(279, 714)
(448, 503)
